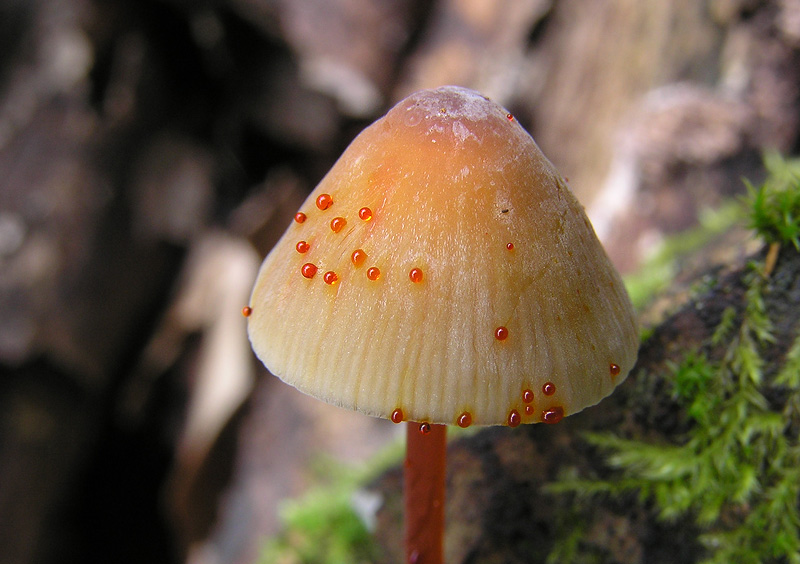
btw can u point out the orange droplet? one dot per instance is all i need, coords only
(299, 217)
(553, 415)
(358, 257)
(614, 369)
(528, 410)
(510, 117)
(501, 333)
(415, 275)
(308, 270)
(527, 396)
(324, 201)
(247, 311)
(514, 418)
(397, 416)
(365, 214)
(465, 420)
(548, 389)
(330, 277)
(373, 273)
(510, 246)
(424, 428)
(302, 247)
(337, 224)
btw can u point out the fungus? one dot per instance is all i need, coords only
(445, 326)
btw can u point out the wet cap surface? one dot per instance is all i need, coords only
(444, 272)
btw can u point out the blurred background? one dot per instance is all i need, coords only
(152, 151)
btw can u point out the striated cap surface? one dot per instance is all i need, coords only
(442, 271)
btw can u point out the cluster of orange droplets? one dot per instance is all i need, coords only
(358, 257)
(464, 420)
(553, 414)
(527, 399)
(550, 415)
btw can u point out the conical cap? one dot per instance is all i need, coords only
(442, 271)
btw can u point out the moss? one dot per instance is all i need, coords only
(324, 526)
(775, 205)
(735, 471)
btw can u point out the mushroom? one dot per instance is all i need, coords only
(442, 273)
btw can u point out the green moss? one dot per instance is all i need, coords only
(324, 526)
(775, 205)
(736, 470)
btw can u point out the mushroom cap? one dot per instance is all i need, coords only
(442, 271)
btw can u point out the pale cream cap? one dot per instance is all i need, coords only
(442, 271)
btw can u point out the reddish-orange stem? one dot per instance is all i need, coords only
(424, 493)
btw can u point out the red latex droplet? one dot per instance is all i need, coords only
(373, 273)
(397, 416)
(415, 275)
(424, 428)
(302, 247)
(247, 311)
(465, 420)
(299, 217)
(553, 415)
(337, 224)
(514, 418)
(510, 246)
(527, 396)
(358, 257)
(614, 369)
(324, 201)
(308, 270)
(501, 333)
(330, 277)
(548, 389)
(510, 117)
(365, 214)
(528, 410)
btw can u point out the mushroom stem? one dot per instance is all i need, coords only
(424, 492)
